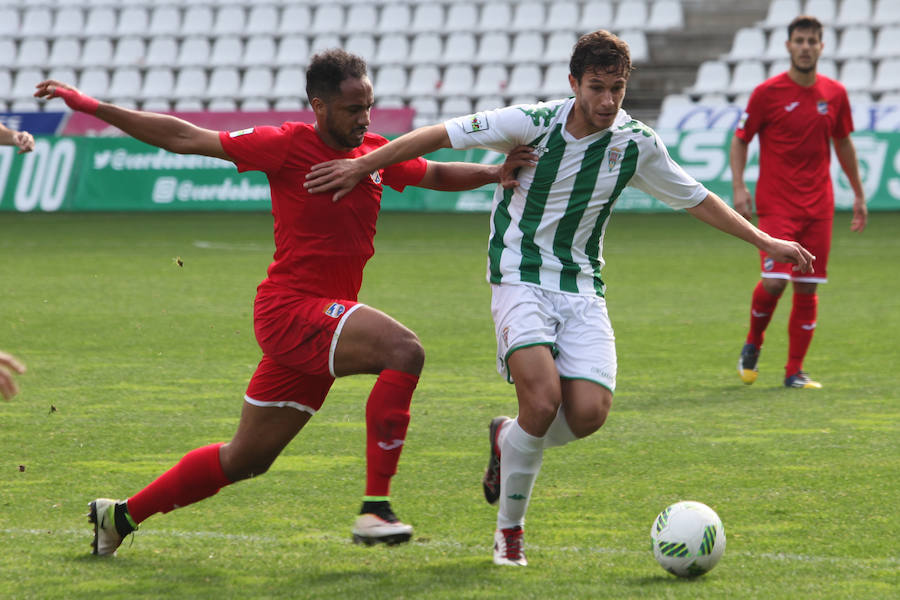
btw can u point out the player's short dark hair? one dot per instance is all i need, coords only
(328, 69)
(805, 22)
(602, 51)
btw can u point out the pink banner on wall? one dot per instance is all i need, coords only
(385, 121)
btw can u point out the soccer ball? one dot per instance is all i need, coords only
(688, 539)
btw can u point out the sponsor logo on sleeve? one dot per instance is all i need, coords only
(375, 176)
(241, 132)
(475, 123)
(335, 310)
(743, 120)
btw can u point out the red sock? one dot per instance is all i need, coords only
(387, 417)
(801, 327)
(762, 307)
(196, 476)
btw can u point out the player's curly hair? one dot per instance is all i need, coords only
(328, 69)
(600, 50)
(805, 22)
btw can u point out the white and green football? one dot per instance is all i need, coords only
(688, 539)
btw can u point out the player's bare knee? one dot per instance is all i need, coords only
(405, 353)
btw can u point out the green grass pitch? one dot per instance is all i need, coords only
(134, 360)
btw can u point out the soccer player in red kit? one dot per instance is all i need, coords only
(306, 316)
(797, 115)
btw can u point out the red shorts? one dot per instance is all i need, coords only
(298, 335)
(812, 234)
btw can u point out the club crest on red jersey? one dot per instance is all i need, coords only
(335, 310)
(768, 264)
(822, 107)
(375, 176)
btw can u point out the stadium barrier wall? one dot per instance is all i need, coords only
(122, 174)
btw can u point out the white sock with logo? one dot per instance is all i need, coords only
(559, 433)
(521, 455)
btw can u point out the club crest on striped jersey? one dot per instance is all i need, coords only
(375, 176)
(613, 158)
(335, 310)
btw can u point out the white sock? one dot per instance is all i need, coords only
(559, 433)
(520, 461)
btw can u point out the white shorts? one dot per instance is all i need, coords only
(575, 327)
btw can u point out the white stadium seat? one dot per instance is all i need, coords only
(295, 19)
(328, 18)
(427, 48)
(390, 80)
(361, 18)
(125, 83)
(483, 103)
(562, 16)
(631, 15)
(824, 10)
(887, 76)
(556, 81)
(33, 52)
(161, 52)
(713, 76)
(259, 50)
(395, 18)
(528, 46)
(133, 20)
(66, 52)
(665, 15)
(559, 46)
(781, 12)
(94, 81)
(490, 80)
(226, 51)
(230, 20)
(856, 74)
(458, 80)
(524, 79)
(459, 48)
(194, 51)
(456, 106)
(36, 22)
(165, 20)
(392, 49)
(528, 16)
(24, 81)
(493, 47)
(746, 76)
(257, 83)
(68, 21)
(292, 50)
(637, 45)
(198, 20)
(190, 83)
(263, 19)
(100, 20)
(290, 82)
(224, 82)
(424, 80)
(158, 84)
(596, 15)
(324, 41)
(887, 42)
(495, 17)
(855, 42)
(827, 67)
(461, 16)
(9, 22)
(854, 12)
(427, 17)
(748, 42)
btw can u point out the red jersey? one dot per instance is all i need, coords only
(321, 246)
(795, 126)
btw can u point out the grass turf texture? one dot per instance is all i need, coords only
(144, 360)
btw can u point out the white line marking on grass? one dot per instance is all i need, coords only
(246, 247)
(150, 532)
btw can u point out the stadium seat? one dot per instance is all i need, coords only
(222, 105)
(259, 50)
(68, 21)
(528, 16)
(258, 104)
(672, 109)
(824, 10)
(455, 106)
(555, 82)
(886, 12)
(362, 45)
(426, 111)
(26, 104)
(230, 20)
(427, 18)
(66, 52)
(158, 104)
(524, 79)
(458, 80)
(860, 98)
(257, 83)
(24, 81)
(390, 80)
(7, 54)
(292, 51)
(194, 51)
(395, 18)
(854, 12)
(631, 15)
(224, 82)
(528, 46)
(125, 83)
(361, 18)
(887, 76)
(33, 52)
(427, 48)
(324, 41)
(596, 15)
(262, 19)
(827, 67)
(36, 22)
(780, 13)
(493, 48)
(289, 104)
(295, 19)
(198, 20)
(855, 42)
(483, 103)
(459, 48)
(777, 67)
(389, 102)
(559, 46)
(161, 52)
(829, 41)
(190, 83)
(328, 18)
(748, 42)
(129, 51)
(665, 15)
(158, 84)
(562, 17)
(290, 82)
(714, 99)
(712, 77)
(188, 105)
(495, 17)
(856, 74)
(393, 48)
(101, 20)
(775, 48)
(424, 80)
(94, 81)
(460, 16)
(226, 51)
(887, 42)
(165, 20)
(9, 22)
(490, 80)
(746, 76)
(133, 20)
(66, 74)
(637, 45)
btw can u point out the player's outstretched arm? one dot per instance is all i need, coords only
(846, 153)
(164, 131)
(713, 211)
(21, 139)
(340, 176)
(8, 387)
(459, 176)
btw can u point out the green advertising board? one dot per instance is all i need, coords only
(122, 174)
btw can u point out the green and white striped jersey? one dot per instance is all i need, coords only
(549, 230)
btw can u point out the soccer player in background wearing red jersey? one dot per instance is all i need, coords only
(797, 114)
(306, 316)
(21, 139)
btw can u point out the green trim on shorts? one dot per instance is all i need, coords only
(553, 351)
(600, 383)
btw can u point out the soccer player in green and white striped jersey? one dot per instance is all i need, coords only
(554, 337)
